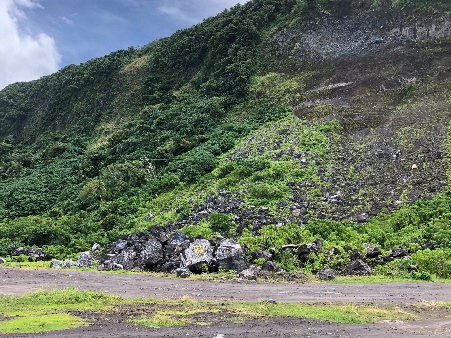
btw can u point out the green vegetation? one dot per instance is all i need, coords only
(49, 310)
(87, 153)
(53, 310)
(41, 323)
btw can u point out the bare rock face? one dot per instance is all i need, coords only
(198, 254)
(230, 256)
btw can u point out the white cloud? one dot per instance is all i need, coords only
(66, 20)
(24, 55)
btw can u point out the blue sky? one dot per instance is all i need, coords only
(38, 37)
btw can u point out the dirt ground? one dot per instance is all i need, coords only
(435, 323)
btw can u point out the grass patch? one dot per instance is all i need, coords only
(48, 310)
(346, 313)
(160, 320)
(57, 301)
(35, 324)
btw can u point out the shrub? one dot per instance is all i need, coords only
(436, 262)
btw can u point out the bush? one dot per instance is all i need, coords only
(436, 262)
(219, 222)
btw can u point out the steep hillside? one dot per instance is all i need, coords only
(273, 123)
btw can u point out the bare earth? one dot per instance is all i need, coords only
(19, 281)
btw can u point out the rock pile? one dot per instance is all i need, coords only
(37, 254)
(173, 253)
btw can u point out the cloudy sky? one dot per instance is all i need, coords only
(38, 37)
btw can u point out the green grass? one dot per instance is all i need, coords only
(51, 310)
(35, 324)
(346, 313)
(57, 301)
(48, 310)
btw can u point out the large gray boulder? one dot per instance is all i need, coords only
(68, 263)
(230, 256)
(85, 260)
(55, 264)
(152, 253)
(327, 274)
(358, 268)
(198, 254)
(250, 273)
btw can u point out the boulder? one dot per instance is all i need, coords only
(121, 244)
(182, 272)
(271, 267)
(2, 260)
(250, 273)
(37, 254)
(315, 246)
(358, 268)
(372, 250)
(199, 253)
(176, 244)
(126, 259)
(68, 263)
(398, 253)
(327, 274)
(152, 253)
(230, 256)
(55, 264)
(355, 255)
(19, 251)
(85, 260)
(96, 247)
(258, 254)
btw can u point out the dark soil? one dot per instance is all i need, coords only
(435, 321)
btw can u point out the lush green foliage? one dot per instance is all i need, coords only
(88, 152)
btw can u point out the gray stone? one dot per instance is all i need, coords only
(315, 246)
(230, 256)
(398, 253)
(2, 260)
(327, 274)
(85, 260)
(121, 244)
(258, 254)
(251, 273)
(68, 263)
(358, 268)
(372, 250)
(96, 247)
(182, 272)
(55, 264)
(126, 258)
(271, 266)
(196, 255)
(355, 255)
(152, 254)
